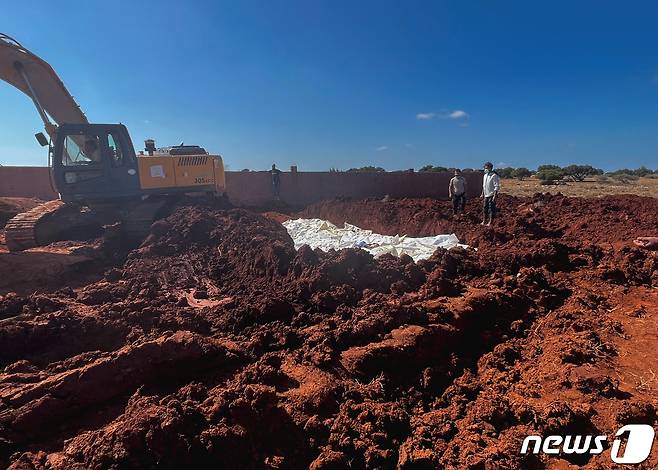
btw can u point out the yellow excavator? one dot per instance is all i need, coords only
(94, 168)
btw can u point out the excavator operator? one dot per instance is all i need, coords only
(90, 151)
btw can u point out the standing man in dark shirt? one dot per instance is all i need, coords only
(457, 192)
(276, 181)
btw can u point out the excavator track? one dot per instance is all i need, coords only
(137, 222)
(50, 222)
(55, 220)
(20, 231)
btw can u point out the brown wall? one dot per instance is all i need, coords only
(300, 189)
(297, 189)
(26, 181)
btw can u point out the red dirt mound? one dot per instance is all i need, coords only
(217, 344)
(611, 219)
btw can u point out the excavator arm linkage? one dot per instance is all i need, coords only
(36, 78)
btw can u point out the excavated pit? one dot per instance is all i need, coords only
(217, 344)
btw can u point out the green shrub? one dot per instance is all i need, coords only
(547, 167)
(642, 171)
(624, 178)
(506, 172)
(580, 172)
(521, 173)
(433, 168)
(368, 169)
(550, 175)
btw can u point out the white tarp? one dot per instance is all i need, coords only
(318, 233)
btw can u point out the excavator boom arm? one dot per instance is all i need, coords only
(37, 79)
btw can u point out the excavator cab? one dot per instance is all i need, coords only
(94, 162)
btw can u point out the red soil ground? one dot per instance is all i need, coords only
(217, 345)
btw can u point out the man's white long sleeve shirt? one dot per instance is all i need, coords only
(490, 184)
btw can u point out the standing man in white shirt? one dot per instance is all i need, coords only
(490, 188)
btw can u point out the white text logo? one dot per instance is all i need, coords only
(637, 449)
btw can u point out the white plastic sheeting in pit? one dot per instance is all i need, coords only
(318, 233)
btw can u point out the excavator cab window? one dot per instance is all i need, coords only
(114, 147)
(81, 150)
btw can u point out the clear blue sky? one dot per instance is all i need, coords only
(341, 84)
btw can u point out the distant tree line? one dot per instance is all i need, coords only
(432, 168)
(368, 169)
(547, 174)
(508, 172)
(554, 174)
(438, 169)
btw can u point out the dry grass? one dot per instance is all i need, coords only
(588, 188)
(645, 383)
